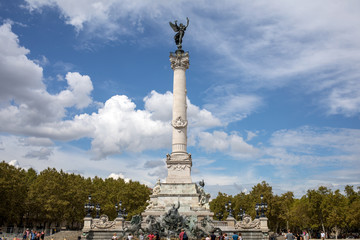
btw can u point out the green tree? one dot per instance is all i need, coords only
(13, 191)
(334, 209)
(217, 205)
(287, 200)
(299, 215)
(315, 200)
(353, 214)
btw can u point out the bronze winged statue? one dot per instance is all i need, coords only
(180, 32)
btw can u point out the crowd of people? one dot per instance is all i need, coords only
(301, 236)
(33, 235)
(182, 236)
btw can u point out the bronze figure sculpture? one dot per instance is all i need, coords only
(180, 32)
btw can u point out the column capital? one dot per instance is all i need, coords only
(179, 60)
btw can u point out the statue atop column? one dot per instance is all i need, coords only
(180, 32)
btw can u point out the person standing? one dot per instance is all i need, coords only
(235, 236)
(151, 236)
(130, 236)
(181, 235)
(157, 236)
(141, 236)
(307, 237)
(240, 237)
(114, 237)
(289, 235)
(322, 235)
(213, 236)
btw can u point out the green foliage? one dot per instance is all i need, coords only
(53, 197)
(320, 209)
(13, 190)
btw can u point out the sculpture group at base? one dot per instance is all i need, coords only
(167, 225)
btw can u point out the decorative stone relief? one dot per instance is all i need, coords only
(179, 123)
(179, 157)
(179, 60)
(247, 223)
(178, 167)
(103, 223)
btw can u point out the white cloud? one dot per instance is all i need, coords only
(34, 141)
(27, 108)
(273, 45)
(233, 108)
(251, 135)
(313, 147)
(232, 144)
(120, 127)
(14, 163)
(117, 176)
(159, 105)
(41, 153)
(78, 93)
(25, 105)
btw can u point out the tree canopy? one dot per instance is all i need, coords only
(56, 196)
(53, 196)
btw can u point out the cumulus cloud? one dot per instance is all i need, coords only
(25, 105)
(159, 105)
(28, 109)
(120, 127)
(117, 176)
(14, 163)
(232, 144)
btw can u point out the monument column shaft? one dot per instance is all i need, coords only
(179, 163)
(179, 136)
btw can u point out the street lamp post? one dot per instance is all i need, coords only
(229, 209)
(241, 214)
(257, 206)
(219, 215)
(89, 207)
(121, 211)
(98, 210)
(263, 206)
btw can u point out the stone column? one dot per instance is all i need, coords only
(179, 162)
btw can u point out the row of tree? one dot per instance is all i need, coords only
(28, 198)
(52, 197)
(318, 210)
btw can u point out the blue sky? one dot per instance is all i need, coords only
(273, 90)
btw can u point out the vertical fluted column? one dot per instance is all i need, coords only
(179, 63)
(179, 162)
